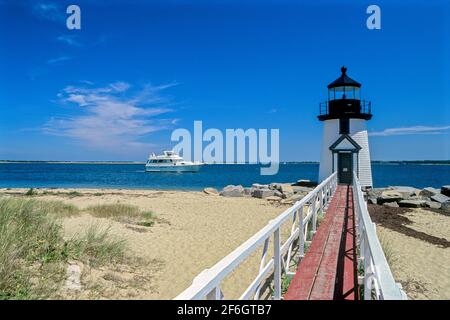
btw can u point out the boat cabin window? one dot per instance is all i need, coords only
(164, 161)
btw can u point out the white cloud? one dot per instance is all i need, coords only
(58, 60)
(70, 40)
(111, 117)
(49, 11)
(411, 130)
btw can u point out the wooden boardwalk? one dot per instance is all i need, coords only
(329, 269)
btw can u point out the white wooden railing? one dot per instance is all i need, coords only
(303, 215)
(379, 284)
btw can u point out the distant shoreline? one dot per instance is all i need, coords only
(395, 162)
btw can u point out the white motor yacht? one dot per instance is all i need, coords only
(170, 162)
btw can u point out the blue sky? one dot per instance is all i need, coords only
(116, 89)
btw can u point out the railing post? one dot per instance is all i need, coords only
(321, 205)
(368, 273)
(288, 256)
(301, 243)
(215, 294)
(277, 265)
(261, 266)
(314, 216)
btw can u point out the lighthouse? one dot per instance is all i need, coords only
(345, 144)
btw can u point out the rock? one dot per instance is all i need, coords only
(262, 193)
(275, 186)
(406, 192)
(445, 190)
(232, 191)
(432, 205)
(260, 186)
(287, 189)
(375, 192)
(294, 198)
(429, 192)
(372, 200)
(440, 198)
(73, 281)
(391, 204)
(298, 189)
(211, 191)
(412, 203)
(279, 194)
(247, 191)
(273, 198)
(389, 196)
(446, 207)
(305, 183)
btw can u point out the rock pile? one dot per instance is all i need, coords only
(283, 193)
(289, 193)
(410, 197)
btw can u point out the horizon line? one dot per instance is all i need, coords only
(210, 163)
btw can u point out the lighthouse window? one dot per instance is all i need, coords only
(344, 126)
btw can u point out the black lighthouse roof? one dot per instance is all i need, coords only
(344, 81)
(344, 100)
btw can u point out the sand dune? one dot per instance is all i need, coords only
(193, 231)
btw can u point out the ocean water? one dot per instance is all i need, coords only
(133, 176)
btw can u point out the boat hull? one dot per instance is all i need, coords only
(173, 168)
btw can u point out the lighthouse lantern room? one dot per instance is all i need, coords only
(345, 145)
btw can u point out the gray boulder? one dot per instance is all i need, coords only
(389, 196)
(412, 203)
(445, 190)
(432, 205)
(375, 192)
(429, 192)
(280, 194)
(286, 189)
(293, 199)
(372, 200)
(275, 186)
(446, 207)
(211, 191)
(247, 191)
(406, 191)
(262, 193)
(440, 198)
(305, 183)
(260, 186)
(232, 191)
(391, 204)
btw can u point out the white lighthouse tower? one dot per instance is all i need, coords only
(345, 145)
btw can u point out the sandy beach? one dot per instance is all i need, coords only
(417, 245)
(192, 232)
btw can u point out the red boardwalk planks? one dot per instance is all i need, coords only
(328, 270)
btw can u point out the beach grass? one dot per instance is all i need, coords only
(33, 252)
(388, 250)
(97, 246)
(123, 213)
(59, 208)
(30, 192)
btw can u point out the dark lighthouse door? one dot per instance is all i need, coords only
(345, 167)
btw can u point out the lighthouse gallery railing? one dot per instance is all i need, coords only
(365, 107)
(379, 284)
(303, 215)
